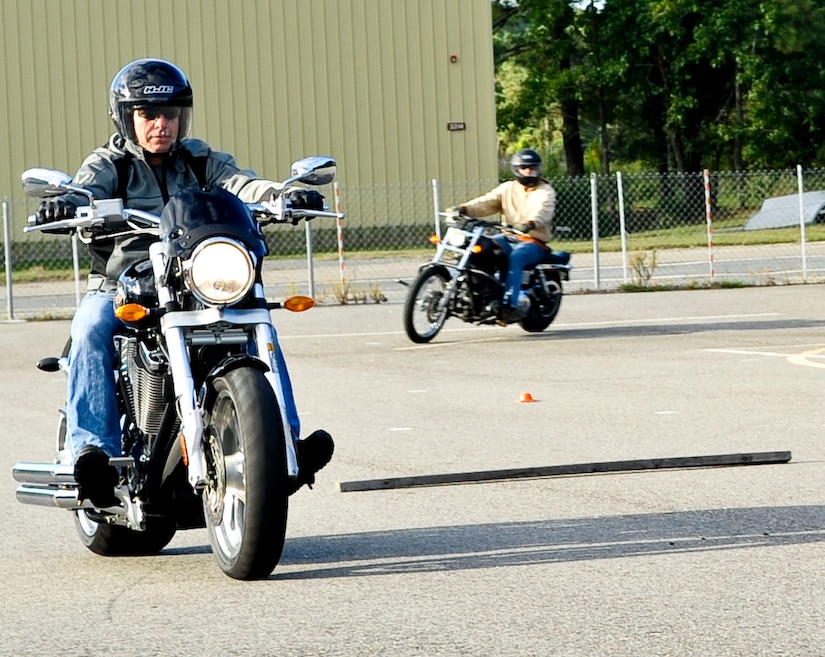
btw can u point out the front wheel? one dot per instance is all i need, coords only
(425, 310)
(544, 311)
(245, 500)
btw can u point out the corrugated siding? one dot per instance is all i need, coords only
(369, 82)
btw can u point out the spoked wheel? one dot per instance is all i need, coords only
(245, 500)
(543, 312)
(424, 310)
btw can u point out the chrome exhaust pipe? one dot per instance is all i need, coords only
(62, 498)
(46, 484)
(58, 474)
(44, 474)
(53, 484)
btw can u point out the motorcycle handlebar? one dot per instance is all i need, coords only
(63, 224)
(97, 216)
(274, 214)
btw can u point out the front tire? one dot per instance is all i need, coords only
(424, 310)
(245, 500)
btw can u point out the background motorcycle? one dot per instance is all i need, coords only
(206, 441)
(465, 279)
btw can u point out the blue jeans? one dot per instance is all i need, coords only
(91, 408)
(520, 256)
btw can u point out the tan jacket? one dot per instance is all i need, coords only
(518, 204)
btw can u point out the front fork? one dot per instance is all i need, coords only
(266, 346)
(173, 326)
(188, 409)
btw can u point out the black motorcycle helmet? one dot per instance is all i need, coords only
(526, 157)
(149, 83)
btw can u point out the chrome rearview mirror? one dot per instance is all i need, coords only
(40, 182)
(315, 170)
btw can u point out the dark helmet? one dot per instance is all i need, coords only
(526, 157)
(147, 83)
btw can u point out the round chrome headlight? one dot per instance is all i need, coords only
(455, 237)
(220, 271)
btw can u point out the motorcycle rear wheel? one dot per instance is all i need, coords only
(116, 540)
(119, 541)
(544, 312)
(422, 317)
(245, 500)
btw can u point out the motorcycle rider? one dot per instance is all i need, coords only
(527, 204)
(148, 159)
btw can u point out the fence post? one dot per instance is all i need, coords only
(594, 209)
(622, 231)
(310, 267)
(7, 249)
(802, 232)
(436, 209)
(340, 232)
(709, 217)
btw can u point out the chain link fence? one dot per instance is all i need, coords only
(624, 231)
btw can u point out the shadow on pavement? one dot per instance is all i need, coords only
(498, 545)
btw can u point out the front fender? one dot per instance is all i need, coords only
(232, 362)
(448, 271)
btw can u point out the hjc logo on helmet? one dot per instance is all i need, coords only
(158, 89)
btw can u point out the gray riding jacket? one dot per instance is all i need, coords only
(149, 189)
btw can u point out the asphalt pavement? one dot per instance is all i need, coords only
(689, 561)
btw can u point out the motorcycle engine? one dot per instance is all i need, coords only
(486, 288)
(146, 383)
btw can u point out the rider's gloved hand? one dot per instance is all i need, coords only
(304, 199)
(454, 212)
(55, 209)
(526, 227)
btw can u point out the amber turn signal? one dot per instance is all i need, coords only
(298, 303)
(434, 239)
(131, 312)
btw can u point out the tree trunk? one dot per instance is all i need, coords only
(571, 136)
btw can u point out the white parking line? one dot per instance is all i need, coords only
(807, 358)
(659, 320)
(745, 352)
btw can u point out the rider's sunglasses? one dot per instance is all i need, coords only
(168, 112)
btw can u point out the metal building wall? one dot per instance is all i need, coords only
(374, 83)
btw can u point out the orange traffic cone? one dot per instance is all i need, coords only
(526, 397)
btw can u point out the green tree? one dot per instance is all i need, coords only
(674, 84)
(783, 77)
(539, 44)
